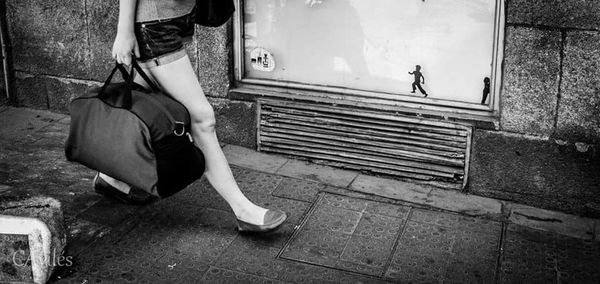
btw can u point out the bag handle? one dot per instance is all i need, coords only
(128, 77)
(140, 71)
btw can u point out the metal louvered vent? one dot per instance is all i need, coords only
(425, 150)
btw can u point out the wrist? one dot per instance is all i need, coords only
(127, 28)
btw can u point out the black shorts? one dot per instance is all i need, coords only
(162, 41)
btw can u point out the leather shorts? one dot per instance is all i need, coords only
(161, 42)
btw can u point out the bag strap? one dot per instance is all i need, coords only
(138, 68)
(128, 77)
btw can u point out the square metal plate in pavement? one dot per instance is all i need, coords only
(348, 233)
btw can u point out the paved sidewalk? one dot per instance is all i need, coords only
(344, 227)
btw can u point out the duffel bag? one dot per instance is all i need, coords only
(137, 135)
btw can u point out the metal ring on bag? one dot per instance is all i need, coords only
(182, 131)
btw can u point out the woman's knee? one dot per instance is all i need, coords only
(202, 117)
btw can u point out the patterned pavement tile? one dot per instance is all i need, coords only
(341, 233)
(200, 194)
(117, 264)
(525, 246)
(368, 253)
(123, 264)
(305, 273)
(335, 219)
(109, 213)
(251, 181)
(526, 272)
(588, 246)
(578, 261)
(418, 266)
(203, 234)
(344, 202)
(428, 253)
(575, 266)
(320, 247)
(220, 275)
(298, 189)
(528, 256)
(253, 258)
(359, 268)
(529, 234)
(470, 270)
(79, 279)
(379, 227)
(178, 269)
(386, 209)
(426, 237)
(475, 245)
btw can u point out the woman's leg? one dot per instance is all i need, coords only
(179, 80)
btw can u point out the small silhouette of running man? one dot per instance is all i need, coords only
(417, 83)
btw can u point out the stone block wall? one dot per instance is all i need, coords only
(551, 85)
(549, 110)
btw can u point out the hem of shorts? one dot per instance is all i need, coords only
(164, 59)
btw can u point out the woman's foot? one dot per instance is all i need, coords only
(250, 213)
(271, 220)
(133, 196)
(115, 183)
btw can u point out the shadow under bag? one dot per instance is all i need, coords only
(139, 136)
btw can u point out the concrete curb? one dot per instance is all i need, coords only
(39, 239)
(41, 220)
(472, 205)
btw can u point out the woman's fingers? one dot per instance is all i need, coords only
(123, 57)
(126, 58)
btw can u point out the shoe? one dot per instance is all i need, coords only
(272, 220)
(135, 196)
(425, 95)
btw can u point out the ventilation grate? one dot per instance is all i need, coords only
(429, 151)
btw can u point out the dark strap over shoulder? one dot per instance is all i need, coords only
(213, 13)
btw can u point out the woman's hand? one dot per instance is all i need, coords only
(124, 46)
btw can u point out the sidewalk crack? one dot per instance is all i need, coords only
(553, 220)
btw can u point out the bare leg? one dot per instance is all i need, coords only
(179, 80)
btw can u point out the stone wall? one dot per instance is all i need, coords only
(551, 83)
